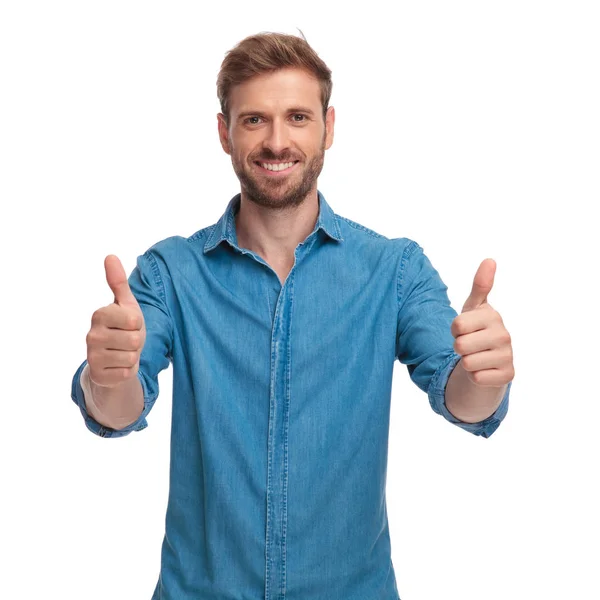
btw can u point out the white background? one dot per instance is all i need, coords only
(471, 127)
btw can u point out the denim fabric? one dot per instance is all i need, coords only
(281, 405)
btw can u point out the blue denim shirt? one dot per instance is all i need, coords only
(281, 405)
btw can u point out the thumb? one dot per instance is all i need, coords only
(482, 285)
(117, 280)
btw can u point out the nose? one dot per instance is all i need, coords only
(276, 138)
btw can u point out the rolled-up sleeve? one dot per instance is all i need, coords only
(147, 286)
(424, 341)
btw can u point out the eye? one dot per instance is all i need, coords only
(302, 120)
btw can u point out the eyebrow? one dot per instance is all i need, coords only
(258, 113)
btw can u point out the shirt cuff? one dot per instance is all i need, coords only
(436, 394)
(81, 390)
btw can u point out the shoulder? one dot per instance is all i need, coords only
(174, 251)
(356, 232)
(177, 244)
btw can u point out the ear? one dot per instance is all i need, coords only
(223, 133)
(329, 123)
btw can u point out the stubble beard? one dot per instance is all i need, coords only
(279, 193)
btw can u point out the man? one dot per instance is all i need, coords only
(283, 322)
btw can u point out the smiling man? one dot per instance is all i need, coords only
(276, 131)
(283, 322)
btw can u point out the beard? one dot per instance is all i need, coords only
(284, 192)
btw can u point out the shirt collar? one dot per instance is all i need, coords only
(224, 230)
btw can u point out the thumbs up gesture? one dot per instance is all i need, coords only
(118, 332)
(480, 336)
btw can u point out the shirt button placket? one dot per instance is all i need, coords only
(277, 471)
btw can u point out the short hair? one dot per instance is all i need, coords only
(267, 52)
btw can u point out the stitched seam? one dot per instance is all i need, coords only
(161, 291)
(336, 223)
(157, 278)
(408, 252)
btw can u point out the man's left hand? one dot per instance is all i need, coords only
(480, 336)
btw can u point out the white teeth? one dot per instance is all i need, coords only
(276, 167)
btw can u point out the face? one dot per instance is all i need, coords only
(277, 118)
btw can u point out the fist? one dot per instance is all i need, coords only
(481, 338)
(116, 338)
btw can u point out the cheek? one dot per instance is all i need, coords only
(237, 157)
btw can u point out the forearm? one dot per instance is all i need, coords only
(468, 401)
(115, 407)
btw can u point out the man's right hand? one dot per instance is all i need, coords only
(118, 332)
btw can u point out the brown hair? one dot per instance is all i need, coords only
(267, 52)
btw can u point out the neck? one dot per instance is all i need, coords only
(274, 233)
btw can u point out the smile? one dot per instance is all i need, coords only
(274, 169)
